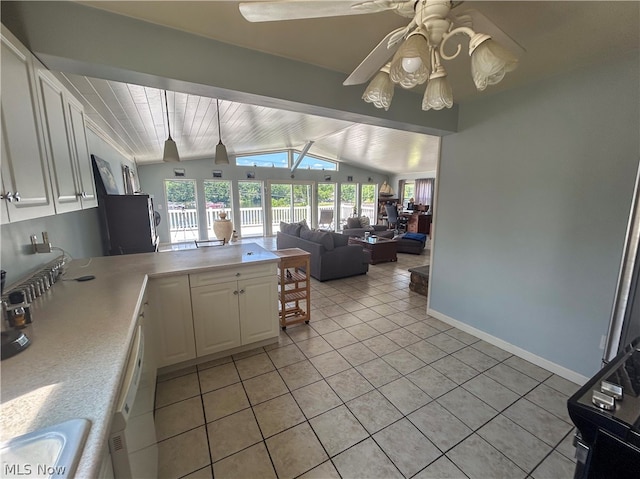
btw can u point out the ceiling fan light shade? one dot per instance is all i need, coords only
(221, 154)
(380, 91)
(410, 64)
(170, 154)
(490, 61)
(438, 94)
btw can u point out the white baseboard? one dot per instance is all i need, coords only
(522, 353)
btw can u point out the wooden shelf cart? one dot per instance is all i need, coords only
(294, 288)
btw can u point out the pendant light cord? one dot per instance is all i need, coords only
(218, 108)
(167, 108)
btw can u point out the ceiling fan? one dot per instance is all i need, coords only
(410, 55)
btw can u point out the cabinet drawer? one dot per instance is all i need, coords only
(232, 274)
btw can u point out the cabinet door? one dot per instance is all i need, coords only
(172, 320)
(216, 317)
(258, 301)
(80, 149)
(64, 177)
(24, 168)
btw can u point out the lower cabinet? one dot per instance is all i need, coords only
(216, 317)
(170, 303)
(219, 310)
(235, 313)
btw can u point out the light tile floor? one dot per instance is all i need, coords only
(373, 388)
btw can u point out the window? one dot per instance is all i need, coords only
(181, 210)
(310, 162)
(277, 159)
(348, 196)
(251, 210)
(217, 198)
(408, 192)
(368, 203)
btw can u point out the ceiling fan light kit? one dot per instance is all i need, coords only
(221, 157)
(417, 60)
(170, 153)
(380, 90)
(430, 30)
(410, 64)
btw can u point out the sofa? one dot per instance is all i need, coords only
(331, 255)
(357, 226)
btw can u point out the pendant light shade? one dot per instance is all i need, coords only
(170, 154)
(221, 151)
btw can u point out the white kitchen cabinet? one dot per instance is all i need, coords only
(172, 323)
(227, 314)
(25, 174)
(216, 317)
(65, 145)
(80, 148)
(258, 300)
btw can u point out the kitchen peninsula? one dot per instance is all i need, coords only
(82, 333)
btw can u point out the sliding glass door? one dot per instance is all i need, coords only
(327, 206)
(290, 203)
(182, 214)
(252, 221)
(217, 198)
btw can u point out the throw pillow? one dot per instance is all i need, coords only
(292, 229)
(320, 237)
(353, 223)
(365, 222)
(339, 239)
(303, 226)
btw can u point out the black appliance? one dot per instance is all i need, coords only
(606, 411)
(128, 224)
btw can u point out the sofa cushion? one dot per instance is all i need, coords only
(321, 237)
(365, 222)
(353, 223)
(292, 229)
(339, 239)
(303, 226)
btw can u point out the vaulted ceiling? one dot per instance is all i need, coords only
(555, 37)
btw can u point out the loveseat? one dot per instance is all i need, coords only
(358, 226)
(331, 255)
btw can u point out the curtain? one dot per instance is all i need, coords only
(401, 191)
(424, 191)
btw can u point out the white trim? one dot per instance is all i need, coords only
(522, 353)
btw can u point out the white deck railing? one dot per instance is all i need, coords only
(183, 224)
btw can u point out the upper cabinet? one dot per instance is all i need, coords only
(46, 167)
(65, 145)
(26, 190)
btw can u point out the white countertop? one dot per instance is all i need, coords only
(80, 339)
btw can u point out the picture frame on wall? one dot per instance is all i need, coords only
(327, 177)
(217, 173)
(349, 178)
(178, 172)
(251, 175)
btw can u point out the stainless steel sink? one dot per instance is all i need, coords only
(51, 452)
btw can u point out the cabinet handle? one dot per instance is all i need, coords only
(242, 291)
(235, 292)
(7, 196)
(16, 197)
(141, 314)
(237, 274)
(82, 194)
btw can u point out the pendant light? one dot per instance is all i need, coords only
(221, 151)
(170, 154)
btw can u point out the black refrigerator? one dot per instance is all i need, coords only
(128, 224)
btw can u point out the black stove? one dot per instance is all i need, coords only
(606, 411)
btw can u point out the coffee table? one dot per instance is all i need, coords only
(380, 251)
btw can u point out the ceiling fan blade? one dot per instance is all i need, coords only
(482, 24)
(298, 9)
(374, 60)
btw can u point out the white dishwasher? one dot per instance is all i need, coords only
(134, 452)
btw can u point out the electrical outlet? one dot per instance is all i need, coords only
(603, 341)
